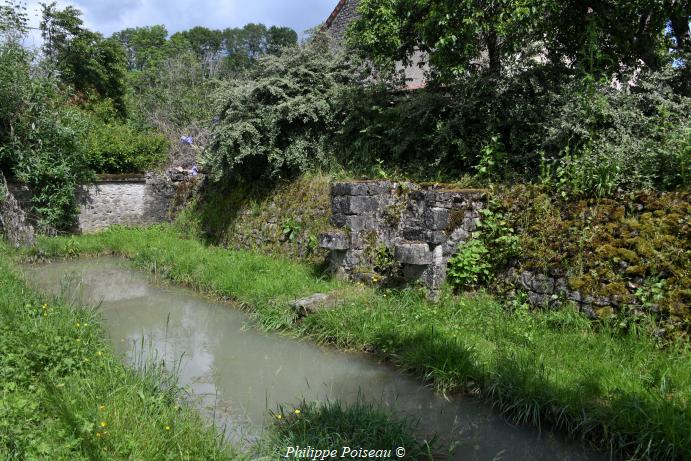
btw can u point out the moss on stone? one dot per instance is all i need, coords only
(608, 248)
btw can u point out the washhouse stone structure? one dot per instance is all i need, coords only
(125, 200)
(399, 228)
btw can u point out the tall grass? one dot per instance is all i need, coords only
(554, 367)
(342, 430)
(65, 395)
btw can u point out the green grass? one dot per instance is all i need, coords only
(64, 395)
(551, 367)
(332, 426)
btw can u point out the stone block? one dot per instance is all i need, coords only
(414, 234)
(436, 237)
(312, 304)
(361, 188)
(334, 241)
(416, 254)
(357, 223)
(353, 205)
(436, 218)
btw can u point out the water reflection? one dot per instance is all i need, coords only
(236, 373)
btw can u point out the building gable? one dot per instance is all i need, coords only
(344, 13)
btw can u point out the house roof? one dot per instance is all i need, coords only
(334, 13)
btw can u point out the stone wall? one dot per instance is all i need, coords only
(412, 229)
(14, 225)
(125, 200)
(344, 13)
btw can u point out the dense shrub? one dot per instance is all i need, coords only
(120, 148)
(42, 149)
(278, 122)
(603, 140)
(581, 137)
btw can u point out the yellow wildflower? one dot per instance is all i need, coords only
(45, 306)
(78, 325)
(99, 353)
(279, 416)
(167, 428)
(101, 407)
(104, 424)
(297, 412)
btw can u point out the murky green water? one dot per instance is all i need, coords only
(237, 373)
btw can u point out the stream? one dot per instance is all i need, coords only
(236, 374)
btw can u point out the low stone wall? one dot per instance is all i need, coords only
(14, 225)
(125, 200)
(384, 223)
(129, 200)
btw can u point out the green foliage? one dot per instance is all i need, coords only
(580, 138)
(82, 58)
(145, 46)
(120, 148)
(44, 152)
(478, 260)
(469, 36)
(469, 267)
(291, 229)
(333, 425)
(277, 122)
(603, 140)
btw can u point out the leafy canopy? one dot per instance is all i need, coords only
(601, 36)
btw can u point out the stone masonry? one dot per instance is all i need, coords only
(14, 225)
(419, 228)
(344, 13)
(125, 200)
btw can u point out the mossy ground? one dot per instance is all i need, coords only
(614, 389)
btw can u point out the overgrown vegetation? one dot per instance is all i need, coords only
(278, 122)
(616, 389)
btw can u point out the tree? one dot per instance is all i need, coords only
(82, 58)
(202, 41)
(600, 36)
(279, 38)
(145, 46)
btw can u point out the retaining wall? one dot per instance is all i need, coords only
(401, 228)
(125, 200)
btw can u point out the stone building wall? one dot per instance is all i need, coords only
(344, 13)
(408, 228)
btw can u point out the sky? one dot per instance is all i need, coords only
(108, 16)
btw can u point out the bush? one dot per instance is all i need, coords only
(119, 148)
(603, 140)
(279, 121)
(581, 137)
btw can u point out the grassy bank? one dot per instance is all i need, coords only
(615, 390)
(64, 395)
